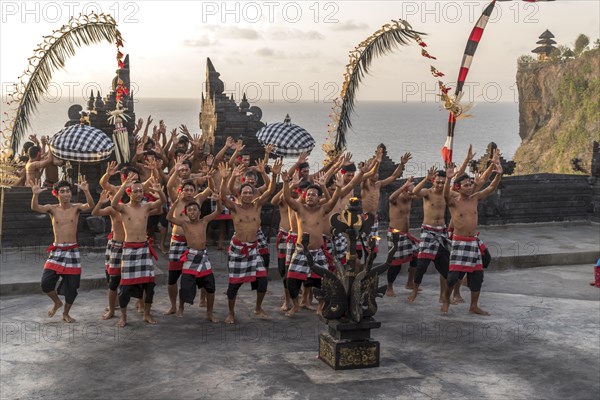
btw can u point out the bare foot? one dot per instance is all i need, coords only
(284, 306)
(211, 318)
(412, 287)
(293, 311)
(170, 311)
(67, 318)
(441, 300)
(164, 250)
(230, 319)
(261, 314)
(202, 303)
(122, 322)
(444, 308)
(477, 310)
(307, 306)
(150, 320)
(457, 300)
(54, 309)
(390, 293)
(412, 297)
(108, 315)
(179, 313)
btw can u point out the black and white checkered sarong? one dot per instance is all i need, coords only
(177, 247)
(263, 246)
(136, 265)
(196, 262)
(116, 255)
(281, 243)
(431, 239)
(244, 263)
(64, 258)
(407, 247)
(465, 255)
(299, 268)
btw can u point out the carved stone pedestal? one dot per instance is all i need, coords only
(348, 345)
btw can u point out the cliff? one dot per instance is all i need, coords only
(559, 113)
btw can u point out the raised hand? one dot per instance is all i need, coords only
(45, 140)
(239, 171)
(239, 145)
(174, 135)
(224, 170)
(431, 172)
(111, 168)
(450, 171)
(260, 166)
(269, 148)
(496, 156)
(83, 185)
(303, 157)
(229, 142)
(184, 130)
(35, 188)
(139, 150)
(470, 153)
(276, 169)
(34, 139)
(103, 196)
(130, 179)
(138, 126)
(209, 160)
(405, 158)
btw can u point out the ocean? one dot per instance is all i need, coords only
(418, 128)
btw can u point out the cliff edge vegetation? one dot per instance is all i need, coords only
(559, 113)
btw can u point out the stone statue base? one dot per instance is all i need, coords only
(348, 345)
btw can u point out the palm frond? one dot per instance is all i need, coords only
(382, 42)
(48, 57)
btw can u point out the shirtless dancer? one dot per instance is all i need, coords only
(245, 264)
(178, 245)
(197, 271)
(137, 267)
(64, 259)
(311, 217)
(371, 189)
(281, 244)
(115, 249)
(36, 164)
(407, 251)
(433, 231)
(467, 248)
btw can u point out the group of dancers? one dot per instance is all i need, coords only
(176, 180)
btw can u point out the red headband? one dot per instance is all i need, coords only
(179, 190)
(54, 193)
(298, 190)
(243, 179)
(128, 191)
(342, 171)
(456, 187)
(239, 158)
(304, 194)
(123, 177)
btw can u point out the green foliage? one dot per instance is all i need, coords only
(525, 59)
(581, 44)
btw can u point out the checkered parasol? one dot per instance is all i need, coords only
(289, 139)
(81, 143)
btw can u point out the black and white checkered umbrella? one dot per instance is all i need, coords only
(289, 139)
(81, 143)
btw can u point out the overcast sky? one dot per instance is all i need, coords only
(292, 50)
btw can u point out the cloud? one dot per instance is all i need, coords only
(234, 32)
(349, 25)
(201, 42)
(293, 33)
(265, 52)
